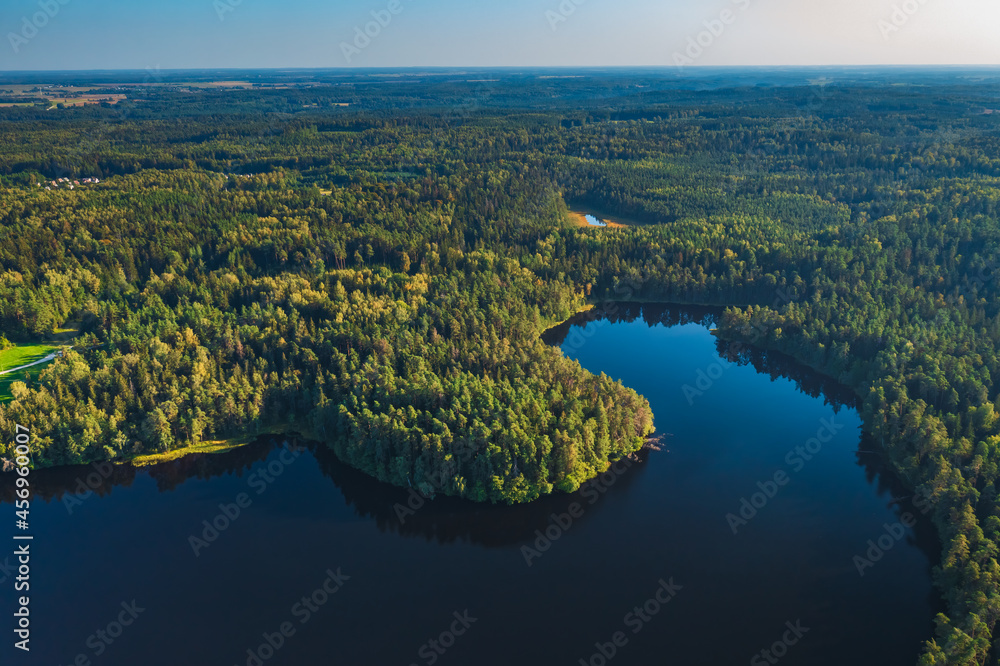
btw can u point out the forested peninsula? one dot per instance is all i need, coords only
(373, 265)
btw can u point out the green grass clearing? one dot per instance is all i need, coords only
(220, 446)
(16, 357)
(24, 354)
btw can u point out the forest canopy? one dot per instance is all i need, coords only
(377, 275)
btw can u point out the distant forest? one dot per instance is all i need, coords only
(377, 276)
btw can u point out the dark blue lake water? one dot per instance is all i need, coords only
(641, 568)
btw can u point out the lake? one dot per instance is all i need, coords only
(765, 522)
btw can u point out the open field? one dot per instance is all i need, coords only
(219, 446)
(217, 84)
(24, 354)
(22, 95)
(66, 334)
(83, 100)
(15, 358)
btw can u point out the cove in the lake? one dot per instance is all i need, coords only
(645, 555)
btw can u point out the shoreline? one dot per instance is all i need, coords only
(577, 217)
(212, 447)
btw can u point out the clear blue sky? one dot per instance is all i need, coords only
(176, 34)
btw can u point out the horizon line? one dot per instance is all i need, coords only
(369, 68)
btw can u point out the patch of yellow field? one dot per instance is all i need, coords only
(222, 445)
(217, 84)
(219, 446)
(83, 100)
